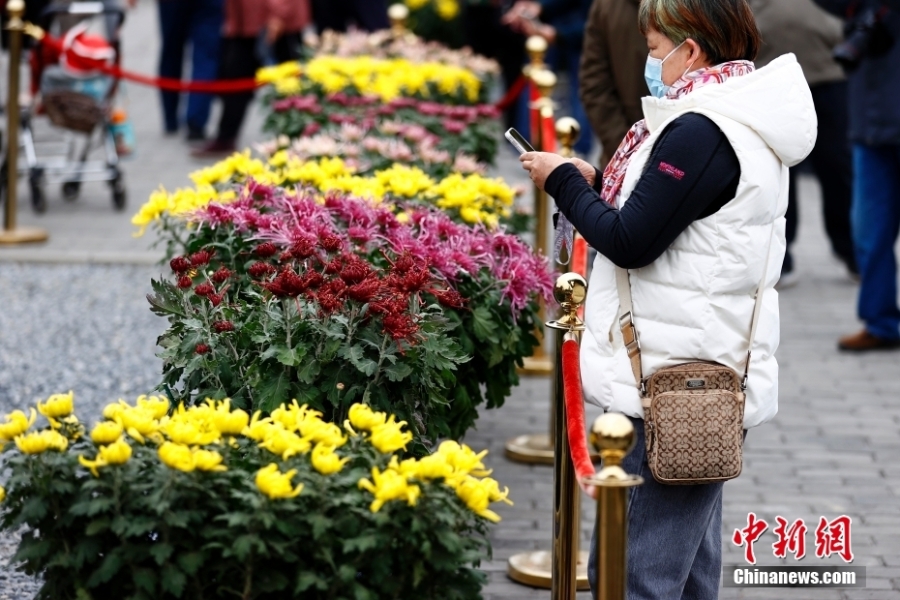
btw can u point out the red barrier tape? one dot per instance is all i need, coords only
(571, 372)
(163, 83)
(515, 90)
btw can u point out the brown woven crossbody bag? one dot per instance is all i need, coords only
(694, 411)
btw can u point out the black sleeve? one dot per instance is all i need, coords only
(692, 172)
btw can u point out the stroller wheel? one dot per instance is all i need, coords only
(38, 197)
(70, 190)
(119, 194)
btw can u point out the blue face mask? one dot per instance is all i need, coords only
(653, 73)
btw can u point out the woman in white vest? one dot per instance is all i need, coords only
(690, 204)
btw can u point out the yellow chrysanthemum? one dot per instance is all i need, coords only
(230, 422)
(389, 437)
(57, 406)
(284, 443)
(106, 432)
(325, 461)
(389, 485)
(275, 484)
(41, 441)
(176, 456)
(478, 495)
(447, 9)
(2, 494)
(364, 418)
(157, 406)
(116, 453)
(16, 424)
(208, 460)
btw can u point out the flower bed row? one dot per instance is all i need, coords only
(207, 502)
(329, 299)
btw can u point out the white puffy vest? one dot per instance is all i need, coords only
(696, 300)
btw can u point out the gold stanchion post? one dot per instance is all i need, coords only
(564, 569)
(613, 437)
(398, 14)
(12, 234)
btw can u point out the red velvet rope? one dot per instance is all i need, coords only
(515, 90)
(163, 83)
(571, 372)
(579, 256)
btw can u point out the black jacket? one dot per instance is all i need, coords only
(874, 87)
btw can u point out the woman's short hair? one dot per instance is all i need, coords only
(725, 29)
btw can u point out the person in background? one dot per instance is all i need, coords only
(612, 72)
(872, 54)
(280, 23)
(198, 23)
(562, 24)
(801, 27)
(338, 15)
(488, 36)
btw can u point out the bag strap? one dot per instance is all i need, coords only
(629, 331)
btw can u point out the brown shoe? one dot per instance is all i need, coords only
(214, 149)
(863, 341)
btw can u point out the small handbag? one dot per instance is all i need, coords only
(694, 411)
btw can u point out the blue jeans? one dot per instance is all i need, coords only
(876, 223)
(200, 23)
(674, 536)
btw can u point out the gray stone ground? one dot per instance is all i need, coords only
(68, 322)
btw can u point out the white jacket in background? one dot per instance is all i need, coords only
(695, 302)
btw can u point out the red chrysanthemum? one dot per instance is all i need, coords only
(261, 269)
(266, 250)
(449, 298)
(215, 299)
(185, 282)
(221, 275)
(303, 249)
(331, 242)
(200, 258)
(223, 326)
(204, 289)
(180, 264)
(364, 291)
(201, 349)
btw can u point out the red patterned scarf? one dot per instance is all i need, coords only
(614, 174)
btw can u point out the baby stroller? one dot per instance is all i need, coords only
(77, 99)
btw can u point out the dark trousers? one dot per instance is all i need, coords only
(240, 60)
(198, 22)
(832, 163)
(370, 15)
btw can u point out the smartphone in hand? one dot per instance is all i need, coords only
(518, 141)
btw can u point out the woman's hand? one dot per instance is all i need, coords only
(540, 164)
(590, 490)
(586, 169)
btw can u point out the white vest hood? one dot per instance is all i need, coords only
(773, 101)
(695, 302)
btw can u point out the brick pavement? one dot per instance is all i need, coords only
(830, 451)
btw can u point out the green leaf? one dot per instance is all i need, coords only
(110, 566)
(309, 371)
(96, 526)
(483, 324)
(360, 544)
(398, 371)
(190, 562)
(173, 580)
(307, 580)
(161, 551)
(273, 392)
(145, 579)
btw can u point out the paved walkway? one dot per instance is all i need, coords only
(831, 450)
